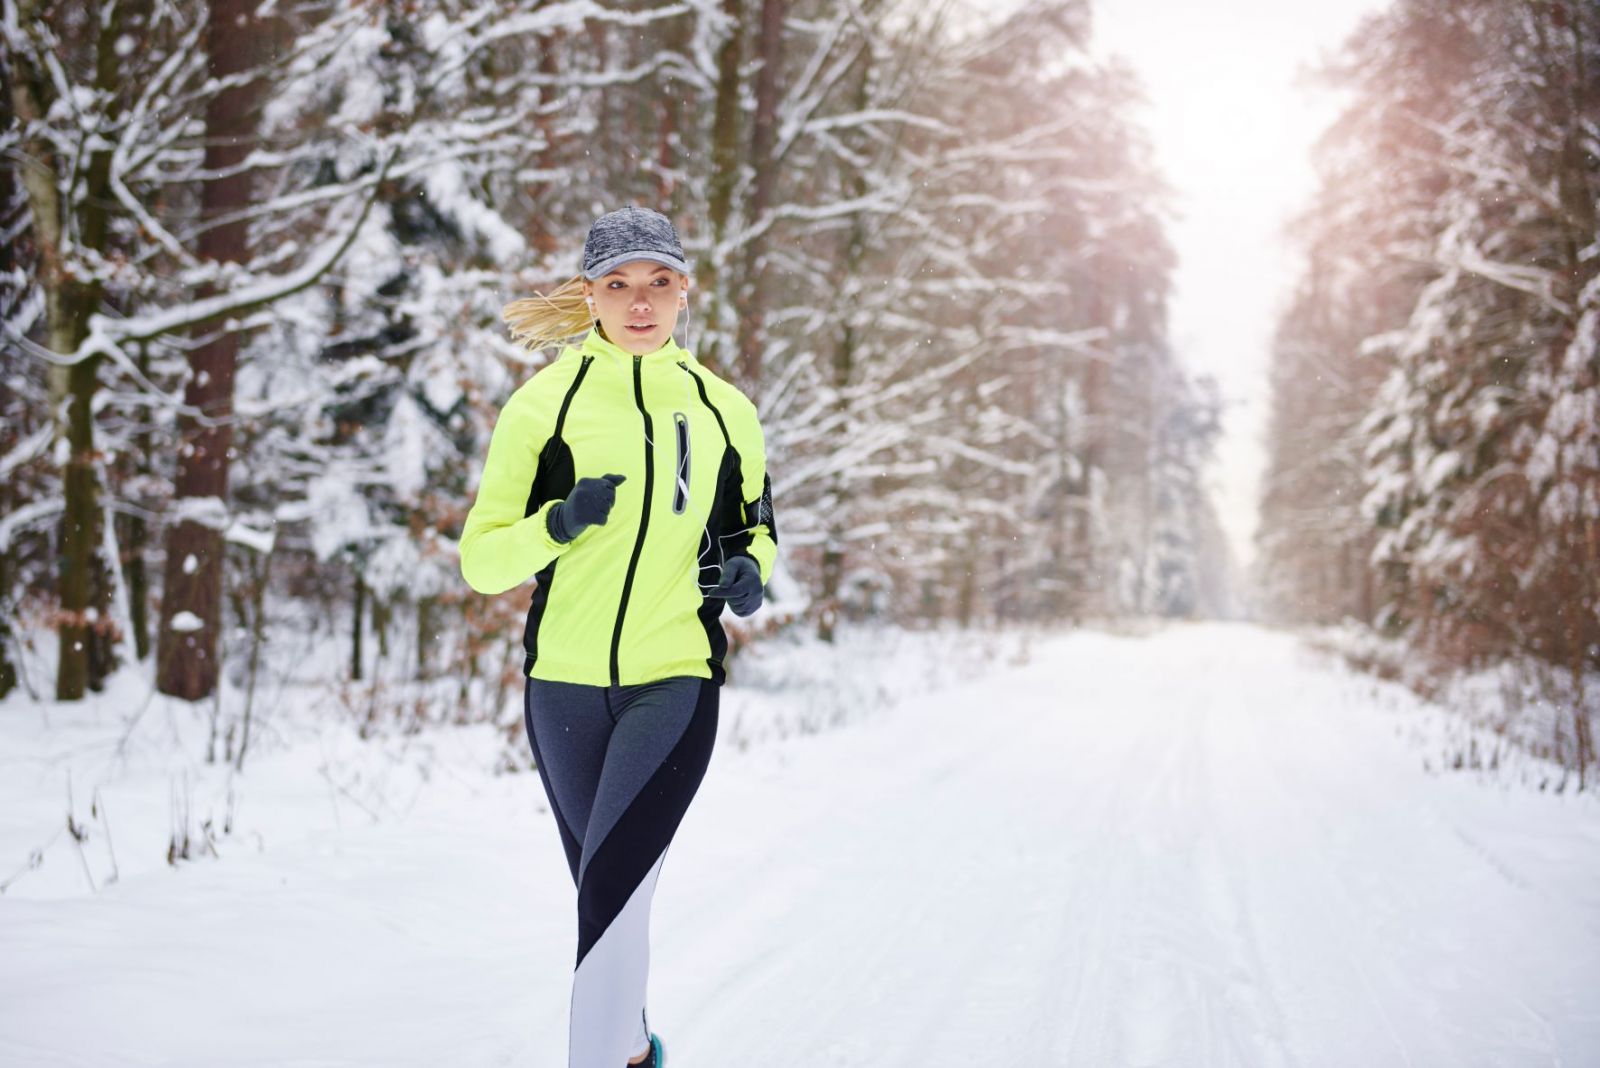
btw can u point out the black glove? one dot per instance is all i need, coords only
(740, 585)
(587, 505)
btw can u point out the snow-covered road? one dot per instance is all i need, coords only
(1202, 847)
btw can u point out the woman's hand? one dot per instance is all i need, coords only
(589, 504)
(740, 585)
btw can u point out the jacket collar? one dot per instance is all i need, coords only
(668, 354)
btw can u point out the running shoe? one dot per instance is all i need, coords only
(657, 1057)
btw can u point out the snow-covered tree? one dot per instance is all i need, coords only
(931, 249)
(25, 429)
(111, 116)
(1380, 179)
(1450, 306)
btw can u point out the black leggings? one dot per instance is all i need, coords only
(620, 765)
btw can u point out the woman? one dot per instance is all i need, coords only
(632, 483)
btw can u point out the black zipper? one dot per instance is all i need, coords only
(644, 518)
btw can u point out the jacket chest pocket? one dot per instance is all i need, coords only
(688, 454)
(680, 486)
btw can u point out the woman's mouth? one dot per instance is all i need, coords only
(641, 328)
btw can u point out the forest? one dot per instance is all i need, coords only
(1434, 462)
(255, 257)
(1030, 750)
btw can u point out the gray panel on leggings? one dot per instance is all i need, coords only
(572, 728)
(651, 718)
(579, 742)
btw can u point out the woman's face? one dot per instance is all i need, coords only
(639, 292)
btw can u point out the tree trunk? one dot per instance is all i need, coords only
(1575, 189)
(187, 658)
(8, 669)
(828, 599)
(357, 625)
(844, 357)
(967, 595)
(69, 300)
(1087, 551)
(133, 538)
(8, 603)
(724, 176)
(14, 263)
(752, 309)
(382, 611)
(540, 235)
(260, 569)
(427, 614)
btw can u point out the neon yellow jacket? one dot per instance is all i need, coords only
(623, 602)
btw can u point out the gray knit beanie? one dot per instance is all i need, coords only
(631, 233)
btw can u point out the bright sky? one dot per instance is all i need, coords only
(1232, 133)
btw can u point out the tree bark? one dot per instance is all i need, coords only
(187, 657)
(427, 623)
(70, 297)
(724, 177)
(357, 625)
(844, 366)
(135, 537)
(752, 310)
(17, 421)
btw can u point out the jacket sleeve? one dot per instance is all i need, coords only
(759, 524)
(501, 547)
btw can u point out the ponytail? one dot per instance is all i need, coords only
(543, 320)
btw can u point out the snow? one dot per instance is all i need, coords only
(1441, 468)
(205, 511)
(186, 622)
(410, 441)
(361, 97)
(338, 512)
(26, 516)
(26, 449)
(397, 567)
(251, 538)
(438, 373)
(448, 192)
(1199, 846)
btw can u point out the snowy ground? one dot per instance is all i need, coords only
(1202, 846)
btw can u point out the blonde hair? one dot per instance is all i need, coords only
(548, 319)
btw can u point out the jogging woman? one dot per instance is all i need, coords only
(631, 482)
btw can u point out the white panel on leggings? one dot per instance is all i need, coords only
(609, 986)
(641, 1038)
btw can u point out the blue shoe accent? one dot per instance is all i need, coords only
(656, 1055)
